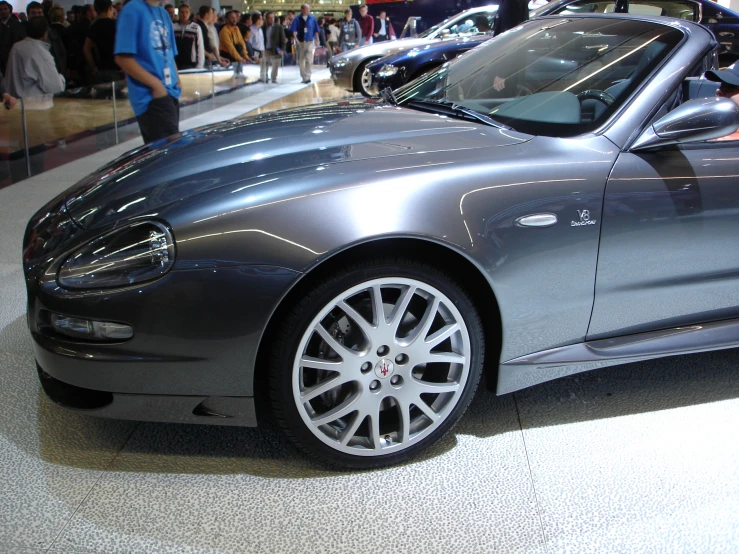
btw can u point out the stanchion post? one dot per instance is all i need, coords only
(25, 138)
(115, 115)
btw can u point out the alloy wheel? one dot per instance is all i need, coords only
(381, 366)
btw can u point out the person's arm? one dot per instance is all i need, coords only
(6, 98)
(49, 79)
(371, 26)
(294, 28)
(201, 48)
(133, 68)
(88, 50)
(357, 30)
(126, 45)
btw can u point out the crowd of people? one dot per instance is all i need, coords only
(45, 50)
(81, 42)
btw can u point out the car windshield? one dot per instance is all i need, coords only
(554, 77)
(459, 25)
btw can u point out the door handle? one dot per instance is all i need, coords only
(537, 220)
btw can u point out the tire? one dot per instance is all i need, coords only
(359, 85)
(356, 390)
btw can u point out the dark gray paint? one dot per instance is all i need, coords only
(257, 203)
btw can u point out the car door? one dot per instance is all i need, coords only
(669, 252)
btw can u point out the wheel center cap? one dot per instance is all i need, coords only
(384, 368)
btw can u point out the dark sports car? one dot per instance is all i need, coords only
(722, 21)
(397, 69)
(550, 203)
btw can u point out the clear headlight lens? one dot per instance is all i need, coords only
(140, 252)
(387, 71)
(339, 64)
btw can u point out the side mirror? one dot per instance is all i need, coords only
(445, 33)
(694, 121)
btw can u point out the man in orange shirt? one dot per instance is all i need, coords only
(232, 42)
(729, 79)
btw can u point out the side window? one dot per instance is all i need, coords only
(679, 9)
(473, 25)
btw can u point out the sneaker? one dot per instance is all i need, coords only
(306, 81)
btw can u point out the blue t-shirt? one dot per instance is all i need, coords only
(311, 28)
(146, 33)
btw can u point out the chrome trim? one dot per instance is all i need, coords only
(540, 367)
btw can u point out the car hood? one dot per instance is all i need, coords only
(381, 49)
(429, 49)
(196, 162)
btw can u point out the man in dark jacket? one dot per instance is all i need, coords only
(76, 36)
(275, 43)
(383, 28)
(511, 13)
(11, 31)
(53, 39)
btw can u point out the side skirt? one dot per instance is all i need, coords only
(539, 367)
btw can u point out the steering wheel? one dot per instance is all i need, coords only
(599, 95)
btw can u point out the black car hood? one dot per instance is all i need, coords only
(195, 162)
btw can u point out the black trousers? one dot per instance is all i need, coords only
(160, 120)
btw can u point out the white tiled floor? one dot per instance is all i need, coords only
(641, 458)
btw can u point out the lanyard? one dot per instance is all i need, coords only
(154, 15)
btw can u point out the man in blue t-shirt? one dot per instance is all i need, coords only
(146, 52)
(305, 31)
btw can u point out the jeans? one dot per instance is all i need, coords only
(348, 46)
(365, 41)
(160, 120)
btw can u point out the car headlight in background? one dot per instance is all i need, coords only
(339, 64)
(387, 71)
(134, 254)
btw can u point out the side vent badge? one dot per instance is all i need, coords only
(537, 220)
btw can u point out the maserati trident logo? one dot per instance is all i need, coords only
(584, 216)
(384, 369)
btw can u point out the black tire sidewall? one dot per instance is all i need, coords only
(303, 314)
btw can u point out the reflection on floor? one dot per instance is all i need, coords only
(322, 91)
(640, 458)
(71, 116)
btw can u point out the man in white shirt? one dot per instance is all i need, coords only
(189, 40)
(32, 73)
(257, 37)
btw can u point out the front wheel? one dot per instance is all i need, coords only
(363, 79)
(376, 363)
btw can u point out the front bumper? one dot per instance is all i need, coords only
(214, 410)
(393, 82)
(342, 73)
(196, 333)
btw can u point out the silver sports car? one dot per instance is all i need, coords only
(348, 69)
(552, 202)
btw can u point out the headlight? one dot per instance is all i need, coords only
(387, 71)
(140, 252)
(340, 64)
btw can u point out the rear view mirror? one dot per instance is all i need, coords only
(694, 121)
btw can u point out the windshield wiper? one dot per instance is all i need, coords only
(447, 107)
(388, 96)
